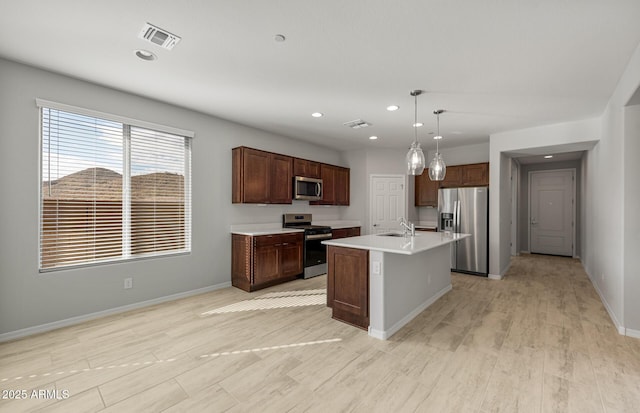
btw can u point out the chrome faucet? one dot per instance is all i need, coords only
(408, 226)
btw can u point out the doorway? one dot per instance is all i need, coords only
(387, 202)
(552, 206)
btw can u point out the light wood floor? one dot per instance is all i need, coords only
(540, 340)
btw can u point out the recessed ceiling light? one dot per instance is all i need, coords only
(417, 125)
(438, 137)
(548, 156)
(317, 114)
(145, 55)
(393, 108)
(373, 138)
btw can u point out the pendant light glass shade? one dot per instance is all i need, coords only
(415, 157)
(437, 167)
(415, 160)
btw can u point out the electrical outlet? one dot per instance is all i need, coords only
(128, 283)
(376, 267)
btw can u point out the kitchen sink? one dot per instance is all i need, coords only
(392, 234)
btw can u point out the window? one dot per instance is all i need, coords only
(112, 188)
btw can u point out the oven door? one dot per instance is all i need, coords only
(315, 257)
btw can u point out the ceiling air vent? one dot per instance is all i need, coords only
(357, 124)
(159, 36)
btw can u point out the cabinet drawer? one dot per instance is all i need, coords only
(262, 240)
(291, 238)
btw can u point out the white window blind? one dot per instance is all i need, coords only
(111, 191)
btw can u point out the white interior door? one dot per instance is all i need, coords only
(551, 197)
(387, 202)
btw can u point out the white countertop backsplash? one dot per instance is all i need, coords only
(398, 245)
(426, 224)
(261, 229)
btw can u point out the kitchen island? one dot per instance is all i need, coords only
(381, 282)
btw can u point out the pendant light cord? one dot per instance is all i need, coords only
(415, 118)
(438, 140)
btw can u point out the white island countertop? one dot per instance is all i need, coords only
(423, 241)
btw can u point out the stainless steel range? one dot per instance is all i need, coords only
(315, 254)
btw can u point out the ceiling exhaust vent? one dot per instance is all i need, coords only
(159, 36)
(357, 124)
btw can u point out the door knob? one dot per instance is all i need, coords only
(375, 225)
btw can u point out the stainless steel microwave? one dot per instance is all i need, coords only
(307, 188)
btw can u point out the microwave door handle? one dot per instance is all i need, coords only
(318, 189)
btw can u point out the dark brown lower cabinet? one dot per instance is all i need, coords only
(348, 285)
(262, 261)
(345, 232)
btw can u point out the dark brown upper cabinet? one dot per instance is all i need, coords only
(476, 174)
(452, 178)
(308, 169)
(335, 185)
(260, 177)
(426, 190)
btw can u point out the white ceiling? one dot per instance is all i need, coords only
(493, 65)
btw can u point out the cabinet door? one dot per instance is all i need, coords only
(426, 190)
(241, 247)
(303, 167)
(476, 174)
(328, 173)
(281, 167)
(341, 186)
(353, 232)
(255, 176)
(267, 263)
(453, 177)
(348, 285)
(291, 259)
(339, 233)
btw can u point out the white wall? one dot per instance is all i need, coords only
(632, 219)
(461, 155)
(563, 137)
(612, 247)
(28, 298)
(367, 162)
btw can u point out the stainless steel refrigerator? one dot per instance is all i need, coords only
(466, 210)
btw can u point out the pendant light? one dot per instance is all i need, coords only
(437, 167)
(415, 157)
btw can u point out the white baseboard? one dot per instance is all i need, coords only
(499, 277)
(632, 333)
(12, 335)
(383, 335)
(616, 323)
